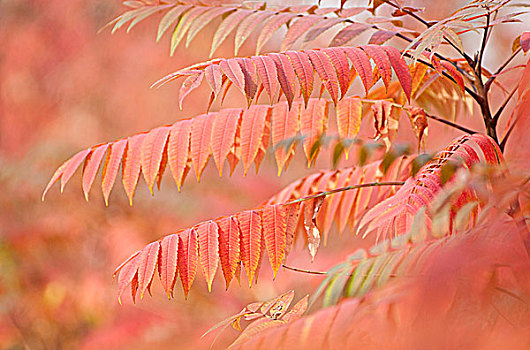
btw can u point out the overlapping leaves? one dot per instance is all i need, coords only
(292, 73)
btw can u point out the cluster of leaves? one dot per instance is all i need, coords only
(433, 203)
(264, 315)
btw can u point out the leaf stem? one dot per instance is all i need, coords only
(347, 188)
(304, 271)
(500, 69)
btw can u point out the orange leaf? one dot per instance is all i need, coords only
(381, 61)
(147, 260)
(167, 267)
(251, 232)
(326, 72)
(153, 148)
(201, 139)
(349, 114)
(229, 250)
(187, 258)
(268, 74)
(178, 150)
(285, 125)
(208, 233)
(274, 230)
(252, 129)
(313, 124)
(111, 167)
(271, 26)
(92, 164)
(223, 135)
(131, 165)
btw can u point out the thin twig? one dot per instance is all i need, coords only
(501, 68)
(441, 120)
(410, 13)
(478, 63)
(304, 271)
(501, 108)
(454, 125)
(347, 188)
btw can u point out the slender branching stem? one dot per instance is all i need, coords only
(497, 114)
(410, 13)
(438, 119)
(304, 270)
(491, 79)
(347, 188)
(454, 125)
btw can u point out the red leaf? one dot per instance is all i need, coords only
(147, 260)
(153, 148)
(304, 71)
(178, 150)
(229, 250)
(453, 72)
(131, 164)
(400, 68)
(326, 72)
(340, 62)
(252, 129)
(167, 266)
(111, 167)
(362, 65)
(91, 168)
(232, 70)
(274, 234)
(268, 74)
(201, 139)
(381, 61)
(208, 233)
(187, 258)
(251, 232)
(286, 76)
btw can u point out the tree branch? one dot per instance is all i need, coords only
(501, 108)
(304, 271)
(454, 125)
(500, 69)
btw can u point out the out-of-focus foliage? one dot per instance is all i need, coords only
(64, 88)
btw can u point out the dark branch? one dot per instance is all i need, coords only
(454, 125)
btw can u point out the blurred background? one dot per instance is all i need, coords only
(64, 87)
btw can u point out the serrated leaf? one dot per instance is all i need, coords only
(187, 258)
(184, 24)
(400, 68)
(132, 164)
(252, 129)
(208, 233)
(313, 122)
(169, 18)
(246, 27)
(234, 73)
(111, 167)
(223, 134)
(274, 231)
(268, 74)
(285, 125)
(191, 83)
(326, 72)
(346, 35)
(201, 140)
(362, 65)
(147, 261)
(91, 168)
(229, 246)
(178, 150)
(304, 71)
(381, 60)
(203, 20)
(226, 27)
(251, 235)
(286, 76)
(270, 27)
(297, 29)
(153, 148)
(167, 266)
